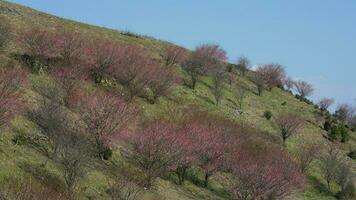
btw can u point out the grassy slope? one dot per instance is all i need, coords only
(17, 160)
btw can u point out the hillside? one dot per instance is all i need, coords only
(23, 164)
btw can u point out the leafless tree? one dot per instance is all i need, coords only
(325, 103)
(330, 163)
(303, 88)
(345, 112)
(65, 139)
(243, 64)
(306, 154)
(289, 124)
(194, 70)
(124, 188)
(161, 82)
(288, 83)
(259, 82)
(240, 94)
(217, 88)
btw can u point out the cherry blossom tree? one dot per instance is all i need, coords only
(104, 115)
(11, 81)
(209, 55)
(154, 149)
(272, 74)
(264, 173)
(134, 69)
(174, 55)
(40, 45)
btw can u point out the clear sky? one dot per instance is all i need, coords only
(314, 39)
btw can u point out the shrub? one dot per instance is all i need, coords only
(106, 153)
(352, 155)
(339, 132)
(267, 114)
(327, 125)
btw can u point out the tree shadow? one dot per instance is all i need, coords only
(318, 185)
(207, 99)
(44, 176)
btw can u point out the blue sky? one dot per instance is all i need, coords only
(314, 39)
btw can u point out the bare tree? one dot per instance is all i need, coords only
(329, 164)
(240, 94)
(65, 141)
(303, 88)
(125, 187)
(259, 82)
(161, 82)
(306, 154)
(5, 32)
(174, 55)
(243, 65)
(194, 69)
(345, 112)
(325, 103)
(73, 153)
(289, 124)
(217, 88)
(288, 83)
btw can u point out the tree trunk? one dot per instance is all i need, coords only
(206, 179)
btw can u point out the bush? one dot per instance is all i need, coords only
(339, 132)
(106, 153)
(347, 191)
(352, 154)
(284, 103)
(327, 125)
(267, 114)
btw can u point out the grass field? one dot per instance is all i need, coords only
(20, 160)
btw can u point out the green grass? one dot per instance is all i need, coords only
(17, 160)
